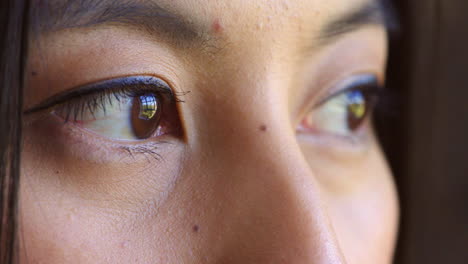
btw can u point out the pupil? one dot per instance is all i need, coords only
(145, 116)
(357, 109)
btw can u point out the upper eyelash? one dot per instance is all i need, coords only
(92, 97)
(93, 102)
(370, 88)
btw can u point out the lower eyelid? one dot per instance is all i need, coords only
(358, 144)
(72, 141)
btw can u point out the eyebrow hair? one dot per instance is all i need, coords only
(375, 12)
(56, 15)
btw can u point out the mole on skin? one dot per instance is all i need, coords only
(263, 128)
(196, 228)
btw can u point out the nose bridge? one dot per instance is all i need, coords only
(280, 215)
(269, 208)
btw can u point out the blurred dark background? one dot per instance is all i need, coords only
(425, 134)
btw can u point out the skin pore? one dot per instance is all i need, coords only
(254, 165)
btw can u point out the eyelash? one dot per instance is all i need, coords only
(99, 99)
(95, 95)
(369, 88)
(90, 98)
(373, 93)
(93, 102)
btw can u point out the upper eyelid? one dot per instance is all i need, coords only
(106, 86)
(362, 80)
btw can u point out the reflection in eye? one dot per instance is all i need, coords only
(358, 106)
(344, 113)
(122, 117)
(144, 116)
(124, 109)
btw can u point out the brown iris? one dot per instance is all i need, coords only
(145, 115)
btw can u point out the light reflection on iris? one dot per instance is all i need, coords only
(148, 107)
(357, 103)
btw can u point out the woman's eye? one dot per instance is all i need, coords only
(118, 117)
(344, 113)
(145, 115)
(123, 109)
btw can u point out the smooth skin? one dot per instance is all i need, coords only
(241, 184)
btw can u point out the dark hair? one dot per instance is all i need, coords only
(13, 46)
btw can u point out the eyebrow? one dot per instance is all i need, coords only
(376, 12)
(150, 16)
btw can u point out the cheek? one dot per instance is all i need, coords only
(361, 199)
(61, 227)
(52, 230)
(76, 210)
(365, 218)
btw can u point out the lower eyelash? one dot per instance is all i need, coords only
(149, 151)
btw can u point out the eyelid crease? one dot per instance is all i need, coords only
(128, 86)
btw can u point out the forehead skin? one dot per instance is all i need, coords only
(228, 193)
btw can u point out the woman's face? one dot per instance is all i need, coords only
(204, 131)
